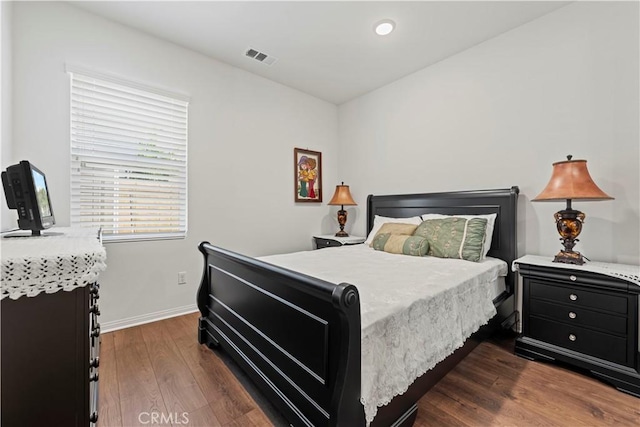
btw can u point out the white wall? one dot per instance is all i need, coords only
(501, 113)
(242, 131)
(7, 218)
(493, 116)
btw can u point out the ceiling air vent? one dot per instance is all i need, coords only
(261, 56)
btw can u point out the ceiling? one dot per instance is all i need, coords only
(326, 49)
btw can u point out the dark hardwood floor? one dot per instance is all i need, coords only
(160, 368)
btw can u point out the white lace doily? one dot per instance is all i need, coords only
(630, 273)
(65, 259)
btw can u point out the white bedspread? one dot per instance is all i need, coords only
(415, 311)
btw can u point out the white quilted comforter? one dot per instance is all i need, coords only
(415, 311)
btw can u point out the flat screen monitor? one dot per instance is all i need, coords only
(26, 191)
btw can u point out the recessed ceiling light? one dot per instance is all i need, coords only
(384, 27)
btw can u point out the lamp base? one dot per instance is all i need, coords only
(342, 220)
(569, 225)
(569, 257)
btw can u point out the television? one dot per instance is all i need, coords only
(25, 188)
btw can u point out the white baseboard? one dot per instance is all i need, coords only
(147, 318)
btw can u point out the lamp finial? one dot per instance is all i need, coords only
(569, 157)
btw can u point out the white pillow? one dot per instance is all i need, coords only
(488, 236)
(378, 221)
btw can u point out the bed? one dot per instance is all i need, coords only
(299, 337)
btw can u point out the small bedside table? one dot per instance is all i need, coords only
(329, 240)
(585, 315)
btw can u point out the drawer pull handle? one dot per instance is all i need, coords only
(572, 315)
(572, 337)
(573, 297)
(573, 278)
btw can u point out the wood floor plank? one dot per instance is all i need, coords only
(139, 390)
(106, 342)
(480, 376)
(553, 390)
(585, 395)
(255, 418)
(506, 385)
(177, 327)
(189, 326)
(581, 392)
(109, 394)
(220, 387)
(161, 367)
(464, 387)
(463, 413)
(202, 417)
(125, 337)
(430, 415)
(527, 393)
(483, 405)
(179, 389)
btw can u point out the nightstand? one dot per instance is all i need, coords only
(329, 240)
(586, 316)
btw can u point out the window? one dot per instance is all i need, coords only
(128, 159)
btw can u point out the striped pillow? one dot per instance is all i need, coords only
(454, 237)
(396, 228)
(400, 244)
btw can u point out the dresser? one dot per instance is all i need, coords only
(330, 240)
(586, 316)
(50, 331)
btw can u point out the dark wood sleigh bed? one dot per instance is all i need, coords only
(298, 337)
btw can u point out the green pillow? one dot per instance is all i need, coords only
(454, 237)
(400, 244)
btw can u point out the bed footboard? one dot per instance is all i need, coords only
(296, 336)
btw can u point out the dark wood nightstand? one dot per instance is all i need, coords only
(329, 240)
(586, 316)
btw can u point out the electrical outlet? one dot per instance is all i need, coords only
(182, 277)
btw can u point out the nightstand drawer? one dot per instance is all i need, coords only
(597, 344)
(576, 315)
(330, 241)
(578, 297)
(326, 243)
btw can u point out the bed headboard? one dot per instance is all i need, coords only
(502, 201)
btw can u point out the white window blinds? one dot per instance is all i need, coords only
(128, 159)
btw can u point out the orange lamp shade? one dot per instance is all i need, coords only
(342, 196)
(571, 180)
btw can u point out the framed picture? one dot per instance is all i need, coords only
(307, 175)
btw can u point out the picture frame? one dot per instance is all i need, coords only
(307, 175)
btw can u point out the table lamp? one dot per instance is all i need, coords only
(342, 197)
(570, 180)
